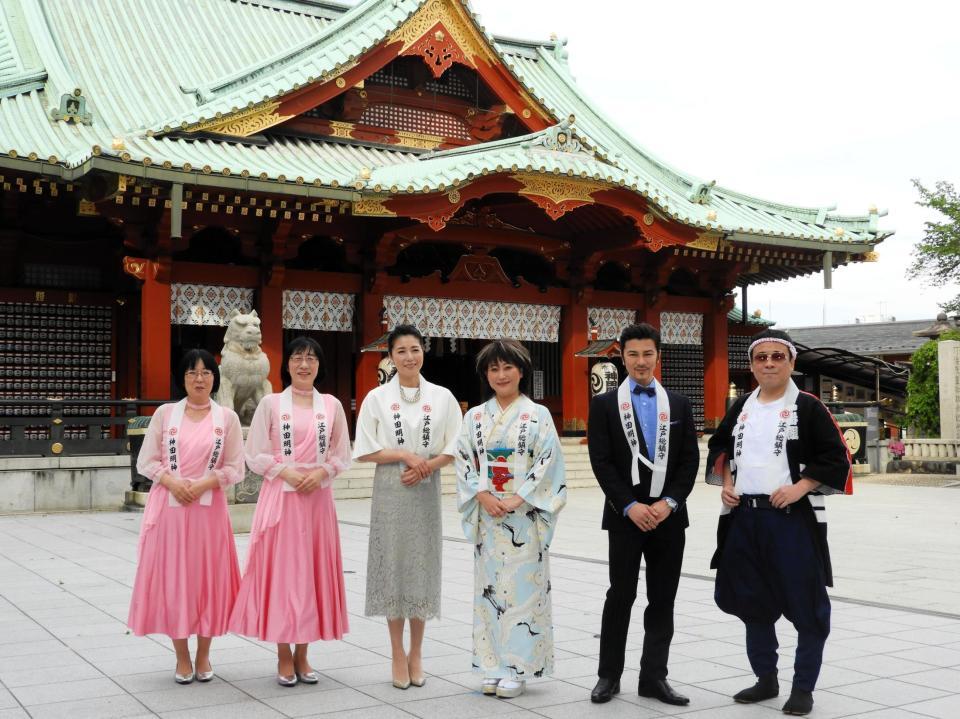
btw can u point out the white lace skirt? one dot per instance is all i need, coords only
(403, 558)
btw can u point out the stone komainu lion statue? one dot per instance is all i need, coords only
(243, 366)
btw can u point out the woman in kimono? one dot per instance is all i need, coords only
(187, 574)
(292, 590)
(409, 427)
(510, 481)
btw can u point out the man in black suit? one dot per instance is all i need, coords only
(643, 450)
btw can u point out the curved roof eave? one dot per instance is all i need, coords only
(670, 187)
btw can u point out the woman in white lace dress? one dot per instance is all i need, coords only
(409, 428)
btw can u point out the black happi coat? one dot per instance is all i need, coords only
(820, 450)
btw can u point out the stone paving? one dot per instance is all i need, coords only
(894, 651)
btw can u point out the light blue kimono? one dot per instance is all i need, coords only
(512, 623)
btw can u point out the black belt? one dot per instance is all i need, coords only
(758, 501)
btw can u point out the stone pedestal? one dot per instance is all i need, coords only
(948, 362)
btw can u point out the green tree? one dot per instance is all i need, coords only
(937, 256)
(923, 387)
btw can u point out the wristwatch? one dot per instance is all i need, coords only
(672, 503)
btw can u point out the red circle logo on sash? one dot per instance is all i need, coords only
(743, 417)
(173, 430)
(284, 417)
(426, 408)
(524, 417)
(218, 431)
(477, 416)
(395, 407)
(784, 414)
(625, 406)
(663, 416)
(320, 416)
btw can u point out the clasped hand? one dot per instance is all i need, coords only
(304, 483)
(649, 516)
(496, 507)
(418, 469)
(185, 491)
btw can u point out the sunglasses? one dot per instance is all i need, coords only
(762, 357)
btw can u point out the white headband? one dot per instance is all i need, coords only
(785, 343)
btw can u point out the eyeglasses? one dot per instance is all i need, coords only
(300, 359)
(762, 357)
(202, 374)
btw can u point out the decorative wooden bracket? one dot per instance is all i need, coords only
(139, 267)
(480, 268)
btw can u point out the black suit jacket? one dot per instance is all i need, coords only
(610, 459)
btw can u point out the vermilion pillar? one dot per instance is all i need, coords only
(368, 315)
(716, 366)
(154, 338)
(271, 327)
(575, 370)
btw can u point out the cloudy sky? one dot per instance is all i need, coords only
(814, 103)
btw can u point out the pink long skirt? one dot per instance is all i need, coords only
(187, 573)
(292, 591)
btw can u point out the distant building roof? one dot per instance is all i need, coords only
(735, 316)
(868, 338)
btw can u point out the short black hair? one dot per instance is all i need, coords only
(641, 331)
(403, 331)
(302, 343)
(189, 361)
(772, 335)
(509, 352)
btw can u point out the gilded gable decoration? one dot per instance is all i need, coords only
(246, 122)
(438, 50)
(557, 195)
(441, 24)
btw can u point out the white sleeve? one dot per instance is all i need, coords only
(368, 423)
(451, 425)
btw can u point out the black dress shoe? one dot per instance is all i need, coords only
(799, 704)
(604, 690)
(662, 691)
(767, 687)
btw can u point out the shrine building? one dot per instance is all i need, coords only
(341, 169)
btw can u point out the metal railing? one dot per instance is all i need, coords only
(67, 427)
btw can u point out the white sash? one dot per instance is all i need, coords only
(662, 450)
(173, 449)
(786, 423)
(526, 410)
(321, 427)
(787, 428)
(420, 438)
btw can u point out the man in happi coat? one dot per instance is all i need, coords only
(643, 451)
(776, 453)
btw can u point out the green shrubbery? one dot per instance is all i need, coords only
(923, 389)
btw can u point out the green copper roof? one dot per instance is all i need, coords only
(141, 67)
(530, 153)
(735, 316)
(20, 66)
(296, 64)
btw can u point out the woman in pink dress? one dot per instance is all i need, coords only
(292, 590)
(187, 573)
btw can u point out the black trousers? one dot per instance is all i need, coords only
(662, 552)
(770, 568)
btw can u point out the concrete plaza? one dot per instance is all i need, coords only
(894, 651)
